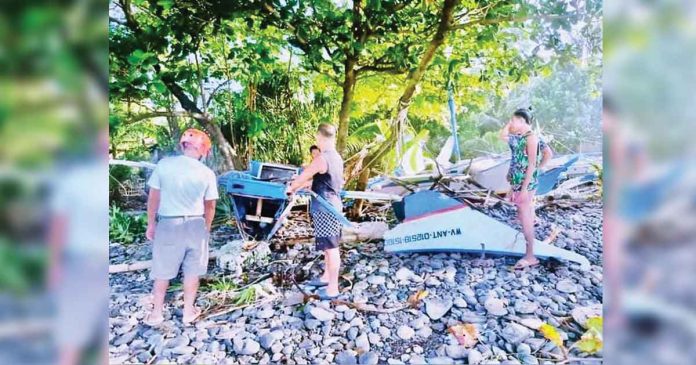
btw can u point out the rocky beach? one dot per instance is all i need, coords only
(377, 320)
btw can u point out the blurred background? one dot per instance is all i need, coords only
(650, 184)
(53, 109)
(53, 106)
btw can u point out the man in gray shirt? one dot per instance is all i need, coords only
(180, 211)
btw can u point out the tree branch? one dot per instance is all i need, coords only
(395, 70)
(519, 19)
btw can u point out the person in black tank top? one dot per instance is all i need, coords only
(326, 173)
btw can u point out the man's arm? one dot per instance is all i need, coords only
(153, 202)
(317, 166)
(547, 154)
(209, 212)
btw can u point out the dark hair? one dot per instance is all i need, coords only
(524, 113)
(314, 147)
(327, 130)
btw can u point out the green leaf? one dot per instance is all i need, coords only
(136, 57)
(159, 86)
(166, 4)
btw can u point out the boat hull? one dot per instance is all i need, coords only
(462, 229)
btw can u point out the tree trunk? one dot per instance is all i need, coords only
(414, 78)
(203, 119)
(348, 93)
(361, 186)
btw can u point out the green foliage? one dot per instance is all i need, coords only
(224, 213)
(21, 268)
(269, 72)
(125, 228)
(246, 296)
(224, 285)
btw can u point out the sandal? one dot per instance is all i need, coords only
(323, 295)
(153, 322)
(316, 283)
(188, 320)
(524, 263)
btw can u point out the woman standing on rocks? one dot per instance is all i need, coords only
(527, 150)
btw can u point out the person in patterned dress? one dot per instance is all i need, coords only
(529, 155)
(326, 174)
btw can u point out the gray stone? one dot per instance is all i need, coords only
(404, 274)
(524, 349)
(269, 338)
(362, 343)
(346, 358)
(474, 357)
(321, 314)
(437, 308)
(418, 323)
(456, 351)
(265, 313)
(352, 333)
(424, 332)
(183, 350)
(312, 324)
(528, 359)
(246, 347)
(277, 348)
(405, 332)
(440, 360)
(515, 333)
(566, 286)
(126, 338)
(495, 307)
(349, 314)
(357, 322)
(432, 281)
(376, 279)
(417, 360)
(178, 341)
(384, 332)
(525, 307)
(459, 302)
(369, 358)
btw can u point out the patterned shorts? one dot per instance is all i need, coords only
(327, 230)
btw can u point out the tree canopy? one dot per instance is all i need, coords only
(259, 76)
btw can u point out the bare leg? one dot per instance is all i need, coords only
(325, 275)
(333, 266)
(190, 290)
(525, 212)
(159, 290)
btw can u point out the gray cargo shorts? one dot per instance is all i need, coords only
(179, 243)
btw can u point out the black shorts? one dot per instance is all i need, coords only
(327, 230)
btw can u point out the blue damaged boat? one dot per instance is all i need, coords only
(259, 200)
